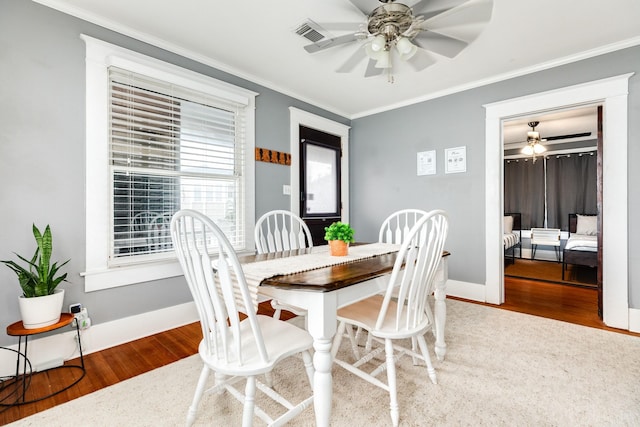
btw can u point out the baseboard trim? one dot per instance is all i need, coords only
(466, 290)
(63, 346)
(634, 320)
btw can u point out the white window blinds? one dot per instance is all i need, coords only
(171, 148)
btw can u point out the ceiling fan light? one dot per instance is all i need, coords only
(407, 56)
(538, 148)
(384, 60)
(378, 43)
(375, 55)
(528, 150)
(404, 45)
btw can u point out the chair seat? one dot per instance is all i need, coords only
(281, 340)
(364, 314)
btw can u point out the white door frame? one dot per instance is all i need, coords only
(299, 117)
(611, 93)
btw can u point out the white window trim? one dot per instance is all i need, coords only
(99, 56)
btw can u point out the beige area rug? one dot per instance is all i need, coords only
(502, 369)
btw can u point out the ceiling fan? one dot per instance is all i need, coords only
(395, 30)
(534, 141)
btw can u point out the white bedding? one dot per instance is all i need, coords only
(582, 242)
(510, 239)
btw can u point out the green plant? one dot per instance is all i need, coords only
(339, 231)
(39, 277)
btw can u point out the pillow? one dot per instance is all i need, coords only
(587, 224)
(508, 224)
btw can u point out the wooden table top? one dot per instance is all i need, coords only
(18, 329)
(330, 278)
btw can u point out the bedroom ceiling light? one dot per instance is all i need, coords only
(533, 146)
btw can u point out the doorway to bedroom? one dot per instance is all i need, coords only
(612, 93)
(545, 188)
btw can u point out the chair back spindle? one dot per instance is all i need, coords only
(281, 230)
(397, 225)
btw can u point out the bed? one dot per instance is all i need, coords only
(582, 245)
(512, 237)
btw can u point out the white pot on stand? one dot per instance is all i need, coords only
(38, 312)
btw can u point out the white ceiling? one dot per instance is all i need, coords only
(255, 39)
(557, 123)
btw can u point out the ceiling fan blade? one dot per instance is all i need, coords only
(439, 43)
(353, 60)
(372, 70)
(573, 135)
(421, 60)
(342, 26)
(327, 43)
(435, 7)
(365, 6)
(466, 14)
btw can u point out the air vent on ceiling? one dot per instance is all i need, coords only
(311, 31)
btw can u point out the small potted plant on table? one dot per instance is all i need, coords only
(339, 235)
(40, 302)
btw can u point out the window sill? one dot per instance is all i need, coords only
(122, 276)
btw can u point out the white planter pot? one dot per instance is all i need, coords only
(38, 312)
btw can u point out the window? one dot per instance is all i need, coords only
(160, 138)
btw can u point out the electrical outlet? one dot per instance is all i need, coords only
(75, 308)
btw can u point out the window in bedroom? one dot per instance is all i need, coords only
(547, 191)
(172, 140)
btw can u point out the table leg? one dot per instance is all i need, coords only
(321, 318)
(440, 309)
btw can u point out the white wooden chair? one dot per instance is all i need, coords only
(388, 320)
(158, 231)
(277, 231)
(232, 348)
(393, 230)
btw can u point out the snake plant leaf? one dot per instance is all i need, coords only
(38, 277)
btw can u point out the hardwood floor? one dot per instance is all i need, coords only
(562, 302)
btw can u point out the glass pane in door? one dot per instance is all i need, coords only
(321, 180)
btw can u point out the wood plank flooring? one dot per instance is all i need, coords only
(566, 303)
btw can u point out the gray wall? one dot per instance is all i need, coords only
(42, 139)
(383, 160)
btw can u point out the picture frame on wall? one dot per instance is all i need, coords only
(455, 160)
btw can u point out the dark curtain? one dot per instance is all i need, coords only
(524, 190)
(571, 187)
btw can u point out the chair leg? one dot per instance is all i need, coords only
(414, 347)
(193, 409)
(394, 408)
(249, 402)
(337, 339)
(268, 379)
(425, 353)
(308, 366)
(353, 341)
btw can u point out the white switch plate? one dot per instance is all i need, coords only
(286, 190)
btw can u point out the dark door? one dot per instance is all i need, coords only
(320, 180)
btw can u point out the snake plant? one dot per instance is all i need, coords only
(38, 278)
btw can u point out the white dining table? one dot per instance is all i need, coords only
(322, 304)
